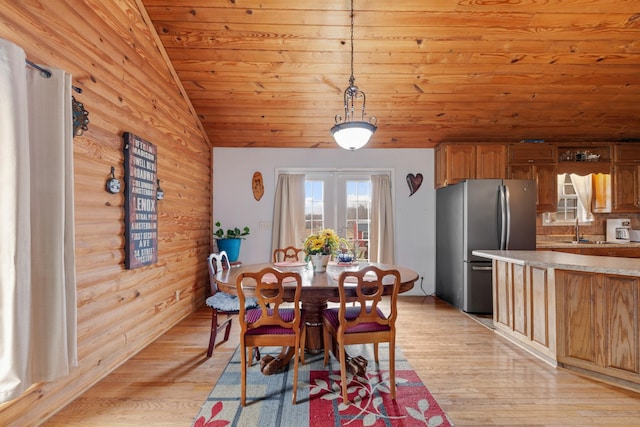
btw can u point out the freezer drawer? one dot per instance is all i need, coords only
(478, 295)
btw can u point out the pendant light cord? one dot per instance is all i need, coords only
(352, 78)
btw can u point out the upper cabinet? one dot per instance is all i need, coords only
(457, 162)
(538, 162)
(454, 163)
(543, 162)
(626, 177)
(491, 161)
(532, 153)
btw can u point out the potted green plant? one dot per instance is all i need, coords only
(229, 240)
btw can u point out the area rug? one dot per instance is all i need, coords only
(320, 397)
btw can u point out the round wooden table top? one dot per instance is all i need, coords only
(315, 286)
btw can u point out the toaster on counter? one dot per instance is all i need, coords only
(634, 235)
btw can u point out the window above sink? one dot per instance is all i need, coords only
(579, 197)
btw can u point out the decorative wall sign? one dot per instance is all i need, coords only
(141, 214)
(414, 182)
(257, 185)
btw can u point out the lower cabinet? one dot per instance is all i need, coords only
(584, 321)
(599, 319)
(524, 307)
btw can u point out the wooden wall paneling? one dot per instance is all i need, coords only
(127, 86)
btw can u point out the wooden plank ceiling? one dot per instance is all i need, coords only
(271, 73)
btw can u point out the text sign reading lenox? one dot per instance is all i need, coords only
(141, 215)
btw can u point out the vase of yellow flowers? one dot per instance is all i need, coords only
(320, 246)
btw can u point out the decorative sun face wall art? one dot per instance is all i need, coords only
(414, 182)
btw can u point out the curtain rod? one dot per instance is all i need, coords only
(46, 73)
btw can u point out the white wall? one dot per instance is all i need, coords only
(235, 206)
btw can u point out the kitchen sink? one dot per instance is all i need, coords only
(589, 242)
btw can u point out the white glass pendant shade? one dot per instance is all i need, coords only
(352, 135)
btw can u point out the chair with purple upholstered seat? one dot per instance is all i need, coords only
(270, 324)
(364, 322)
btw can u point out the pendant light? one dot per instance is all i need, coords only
(352, 134)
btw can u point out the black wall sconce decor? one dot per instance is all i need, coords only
(113, 183)
(159, 191)
(80, 117)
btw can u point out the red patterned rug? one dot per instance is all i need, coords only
(319, 396)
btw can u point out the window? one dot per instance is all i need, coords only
(358, 215)
(578, 197)
(341, 201)
(567, 199)
(313, 206)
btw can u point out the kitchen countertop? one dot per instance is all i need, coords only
(565, 261)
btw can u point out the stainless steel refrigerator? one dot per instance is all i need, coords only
(479, 214)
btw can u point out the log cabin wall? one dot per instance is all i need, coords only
(111, 51)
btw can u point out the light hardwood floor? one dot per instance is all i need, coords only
(478, 378)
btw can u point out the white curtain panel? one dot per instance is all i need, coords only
(288, 212)
(584, 190)
(381, 239)
(38, 332)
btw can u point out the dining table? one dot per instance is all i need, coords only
(318, 289)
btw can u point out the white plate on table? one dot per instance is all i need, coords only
(290, 264)
(271, 278)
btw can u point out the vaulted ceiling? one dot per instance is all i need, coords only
(271, 73)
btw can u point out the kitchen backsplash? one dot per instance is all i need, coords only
(596, 228)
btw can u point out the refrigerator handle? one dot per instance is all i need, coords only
(503, 217)
(507, 198)
(474, 268)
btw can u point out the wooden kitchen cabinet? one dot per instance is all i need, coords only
(532, 153)
(454, 163)
(457, 162)
(524, 306)
(546, 178)
(626, 177)
(598, 314)
(626, 187)
(626, 153)
(539, 163)
(491, 161)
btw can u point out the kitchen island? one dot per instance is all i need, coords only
(578, 312)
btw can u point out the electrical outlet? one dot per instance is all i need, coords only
(177, 295)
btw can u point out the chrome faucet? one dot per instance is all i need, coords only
(577, 230)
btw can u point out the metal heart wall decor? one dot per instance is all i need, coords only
(414, 182)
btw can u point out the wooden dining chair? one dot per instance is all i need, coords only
(364, 322)
(290, 253)
(221, 303)
(270, 324)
